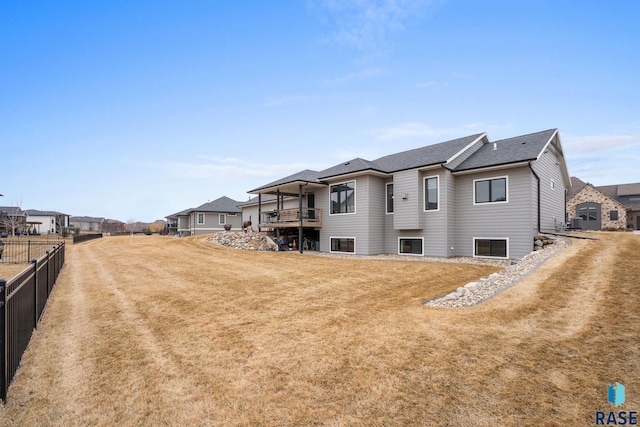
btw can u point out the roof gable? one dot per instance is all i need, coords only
(352, 166)
(424, 156)
(306, 175)
(576, 185)
(223, 204)
(506, 151)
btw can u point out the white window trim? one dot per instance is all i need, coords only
(355, 248)
(506, 185)
(473, 247)
(424, 191)
(410, 238)
(204, 219)
(386, 197)
(355, 196)
(222, 219)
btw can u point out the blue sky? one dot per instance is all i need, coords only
(135, 110)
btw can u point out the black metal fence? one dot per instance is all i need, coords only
(23, 251)
(22, 301)
(84, 237)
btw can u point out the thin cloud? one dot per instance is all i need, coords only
(358, 75)
(603, 159)
(424, 130)
(366, 24)
(213, 167)
(287, 99)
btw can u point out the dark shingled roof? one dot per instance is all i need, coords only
(576, 185)
(181, 213)
(511, 150)
(418, 157)
(36, 212)
(629, 189)
(352, 166)
(306, 175)
(223, 204)
(425, 156)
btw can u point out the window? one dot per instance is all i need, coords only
(613, 215)
(588, 213)
(343, 198)
(343, 244)
(431, 193)
(634, 199)
(222, 219)
(490, 190)
(410, 246)
(200, 219)
(485, 247)
(389, 198)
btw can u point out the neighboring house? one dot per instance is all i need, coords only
(207, 218)
(13, 220)
(607, 207)
(113, 226)
(46, 222)
(464, 197)
(86, 223)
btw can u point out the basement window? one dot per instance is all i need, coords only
(491, 248)
(410, 246)
(343, 244)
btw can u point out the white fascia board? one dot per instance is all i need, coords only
(452, 158)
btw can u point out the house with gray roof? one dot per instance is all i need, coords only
(86, 224)
(464, 197)
(206, 218)
(47, 222)
(606, 207)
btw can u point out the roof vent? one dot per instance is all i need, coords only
(346, 164)
(495, 146)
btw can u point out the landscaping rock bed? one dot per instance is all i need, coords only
(246, 241)
(476, 292)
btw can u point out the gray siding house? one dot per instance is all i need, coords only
(464, 197)
(206, 218)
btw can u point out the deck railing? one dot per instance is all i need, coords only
(311, 217)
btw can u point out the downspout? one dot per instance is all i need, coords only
(538, 178)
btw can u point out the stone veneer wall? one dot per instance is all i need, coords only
(590, 194)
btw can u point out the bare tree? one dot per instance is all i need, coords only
(13, 218)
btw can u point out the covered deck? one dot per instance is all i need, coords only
(284, 218)
(301, 186)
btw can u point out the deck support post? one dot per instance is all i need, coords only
(259, 210)
(300, 215)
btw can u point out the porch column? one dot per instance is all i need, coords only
(259, 210)
(300, 214)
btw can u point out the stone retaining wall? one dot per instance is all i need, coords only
(251, 241)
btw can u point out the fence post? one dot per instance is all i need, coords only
(35, 292)
(3, 340)
(48, 266)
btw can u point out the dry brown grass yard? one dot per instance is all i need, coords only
(159, 331)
